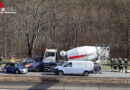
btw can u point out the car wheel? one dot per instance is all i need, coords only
(17, 72)
(5, 70)
(61, 73)
(86, 73)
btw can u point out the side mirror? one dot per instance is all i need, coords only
(64, 66)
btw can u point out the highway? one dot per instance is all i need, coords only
(106, 81)
(105, 73)
(60, 86)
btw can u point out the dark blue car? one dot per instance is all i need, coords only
(34, 64)
(15, 68)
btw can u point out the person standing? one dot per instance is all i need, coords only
(126, 65)
(1, 58)
(12, 60)
(115, 64)
(112, 63)
(121, 64)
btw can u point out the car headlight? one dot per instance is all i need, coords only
(20, 69)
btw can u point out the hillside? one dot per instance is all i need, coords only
(64, 24)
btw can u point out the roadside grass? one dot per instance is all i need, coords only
(106, 67)
(9, 60)
(2, 66)
(109, 67)
(3, 63)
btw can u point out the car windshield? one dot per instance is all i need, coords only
(19, 65)
(29, 60)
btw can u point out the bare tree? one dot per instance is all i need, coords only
(30, 19)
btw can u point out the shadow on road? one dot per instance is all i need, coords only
(45, 84)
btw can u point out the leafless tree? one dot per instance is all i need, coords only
(29, 19)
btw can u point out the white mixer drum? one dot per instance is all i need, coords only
(83, 53)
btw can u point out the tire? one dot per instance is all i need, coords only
(41, 70)
(17, 71)
(86, 73)
(51, 69)
(100, 71)
(61, 73)
(56, 73)
(36, 69)
(5, 70)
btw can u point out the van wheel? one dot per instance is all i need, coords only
(100, 71)
(61, 73)
(86, 73)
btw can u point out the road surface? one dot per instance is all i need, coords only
(22, 85)
(60, 86)
(104, 74)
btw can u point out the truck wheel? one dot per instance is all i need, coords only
(36, 69)
(56, 73)
(86, 73)
(51, 69)
(61, 73)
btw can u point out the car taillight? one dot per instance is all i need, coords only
(93, 67)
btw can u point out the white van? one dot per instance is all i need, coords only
(75, 67)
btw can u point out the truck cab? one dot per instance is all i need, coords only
(49, 59)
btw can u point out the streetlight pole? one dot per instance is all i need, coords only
(5, 47)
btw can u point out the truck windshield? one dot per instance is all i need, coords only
(50, 54)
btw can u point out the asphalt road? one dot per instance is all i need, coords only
(60, 86)
(65, 86)
(106, 73)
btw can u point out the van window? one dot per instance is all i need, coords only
(68, 65)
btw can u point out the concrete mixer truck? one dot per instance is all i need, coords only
(90, 54)
(98, 55)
